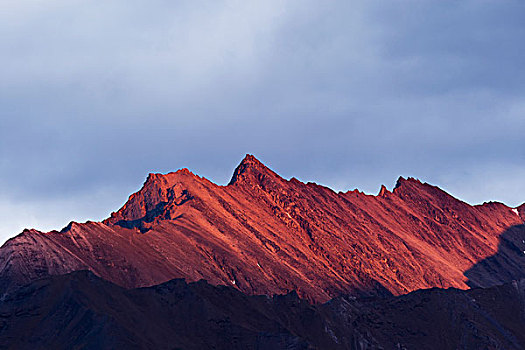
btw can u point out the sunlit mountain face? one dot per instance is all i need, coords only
(263, 235)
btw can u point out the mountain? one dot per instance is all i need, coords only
(82, 311)
(263, 234)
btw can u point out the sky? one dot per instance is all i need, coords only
(94, 95)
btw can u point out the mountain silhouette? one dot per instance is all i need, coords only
(81, 311)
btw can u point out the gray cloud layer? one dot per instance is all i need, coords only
(94, 95)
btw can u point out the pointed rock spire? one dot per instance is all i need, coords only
(383, 192)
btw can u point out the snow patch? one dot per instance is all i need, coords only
(516, 211)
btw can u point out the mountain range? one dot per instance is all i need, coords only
(264, 235)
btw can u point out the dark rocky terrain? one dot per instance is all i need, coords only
(263, 234)
(82, 311)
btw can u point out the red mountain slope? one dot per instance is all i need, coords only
(265, 235)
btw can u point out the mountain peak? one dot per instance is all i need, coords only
(250, 170)
(156, 193)
(249, 161)
(250, 158)
(401, 181)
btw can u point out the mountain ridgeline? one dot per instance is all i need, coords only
(263, 234)
(269, 263)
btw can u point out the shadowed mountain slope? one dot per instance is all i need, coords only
(82, 311)
(508, 263)
(263, 234)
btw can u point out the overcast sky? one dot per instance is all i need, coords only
(349, 94)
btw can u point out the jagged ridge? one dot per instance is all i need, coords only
(266, 235)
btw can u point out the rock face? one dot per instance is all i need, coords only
(82, 311)
(263, 234)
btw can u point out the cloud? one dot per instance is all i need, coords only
(349, 94)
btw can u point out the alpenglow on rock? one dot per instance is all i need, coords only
(264, 234)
